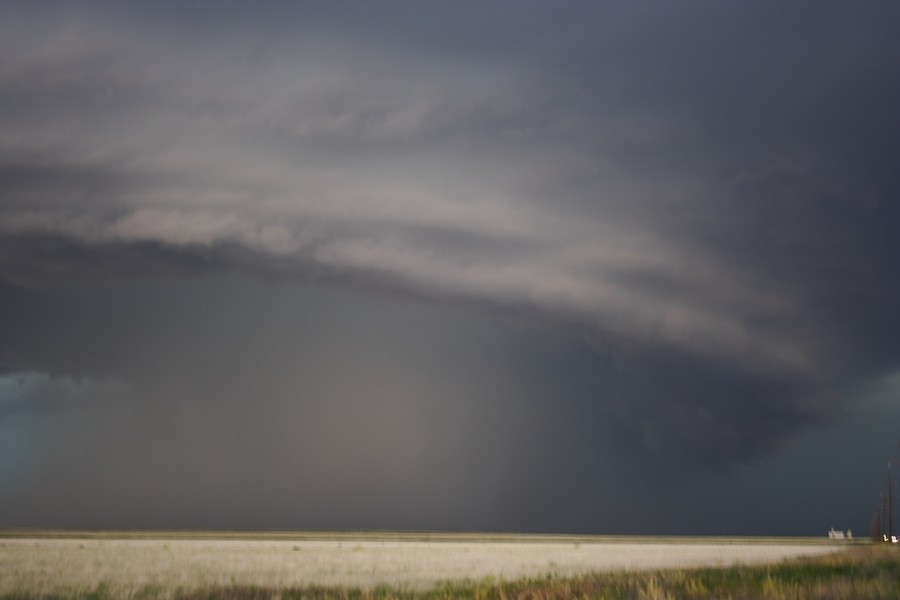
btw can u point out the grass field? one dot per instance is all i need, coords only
(385, 565)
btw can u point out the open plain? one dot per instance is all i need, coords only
(129, 564)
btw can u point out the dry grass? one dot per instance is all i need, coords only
(130, 566)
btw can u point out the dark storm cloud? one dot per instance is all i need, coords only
(704, 196)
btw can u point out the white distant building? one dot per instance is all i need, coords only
(838, 535)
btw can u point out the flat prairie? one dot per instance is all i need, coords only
(124, 563)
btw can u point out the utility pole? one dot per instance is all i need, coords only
(889, 506)
(891, 483)
(877, 525)
(884, 510)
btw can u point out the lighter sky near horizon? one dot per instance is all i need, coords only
(583, 267)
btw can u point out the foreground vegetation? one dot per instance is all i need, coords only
(861, 571)
(63, 565)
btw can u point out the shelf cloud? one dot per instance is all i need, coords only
(702, 200)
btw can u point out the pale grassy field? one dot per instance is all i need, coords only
(130, 564)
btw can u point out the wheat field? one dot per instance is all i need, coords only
(125, 565)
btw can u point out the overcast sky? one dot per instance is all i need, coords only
(599, 267)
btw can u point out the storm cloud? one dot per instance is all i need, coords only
(507, 244)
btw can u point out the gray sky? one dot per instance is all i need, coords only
(585, 267)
